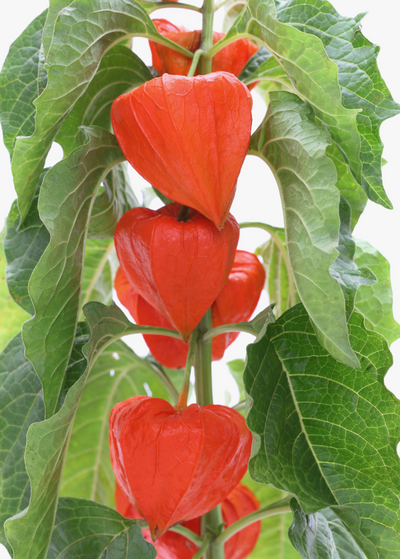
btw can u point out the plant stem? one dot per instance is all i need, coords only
(202, 365)
(188, 534)
(184, 214)
(183, 396)
(195, 61)
(280, 507)
(164, 379)
(240, 327)
(203, 549)
(205, 66)
(240, 406)
(151, 7)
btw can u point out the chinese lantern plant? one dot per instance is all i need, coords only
(317, 429)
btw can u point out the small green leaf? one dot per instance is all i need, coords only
(375, 302)
(30, 531)
(293, 146)
(75, 40)
(66, 198)
(340, 425)
(11, 315)
(116, 199)
(21, 404)
(359, 78)
(322, 535)
(120, 71)
(24, 245)
(312, 74)
(87, 530)
(19, 84)
(344, 269)
(118, 374)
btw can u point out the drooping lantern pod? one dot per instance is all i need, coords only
(188, 137)
(179, 267)
(176, 465)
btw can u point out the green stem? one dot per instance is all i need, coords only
(280, 507)
(183, 396)
(184, 213)
(204, 396)
(188, 534)
(195, 61)
(205, 66)
(151, 7)
(225, 328)
(203, 549)
(164, 379)
(240, 406)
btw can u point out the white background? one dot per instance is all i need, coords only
(257, 196)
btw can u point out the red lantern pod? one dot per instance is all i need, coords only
(179, 267)
(176, 466)
(188, 137)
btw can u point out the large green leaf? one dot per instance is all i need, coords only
(87, 530)
(293, 146)
(11, 315)
(116, 199)
(340, 425)
(120, 71)
(82, 34)
(19, 84)
(375, 302)
(263, 67)
(29, 532)
(21, 404)
(117, 375)
(359, 78)
(66, 199)
(322, 535)
(312, 74)
(97, 281)
(24, 245)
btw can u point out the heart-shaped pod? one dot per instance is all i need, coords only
(179, 267)
(175, 466)
(239, 503)
(230, 59)
(188, 137)
(235, 303)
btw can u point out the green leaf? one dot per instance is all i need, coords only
(279, 278)
(293, 146)
(74, 47)
(120, 71)
(84, 529)
(375, 302)
(24, 245)
(263, 66)
(97, 282)
(232, 12)
(359, 78)
(19, 84)
(273, 541)
(11, 315)
(344, 269)
(116, 199)
(312, 74)
(65, 204)
(29, 532)
(117, 374)
(340, 425)
(322, 535)
(21, 404)
(347, 185)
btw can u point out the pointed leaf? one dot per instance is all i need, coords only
(65, 203)
(375, 302)
(82, 34)
(312, 74)
(120, 71)
(293, 145)
(87, 530)
(340, 425)
(359, 78)
(344, 269)
(117, 373)
(21, 404)
(116, 199)
(322, 535)
(24, 245)
(19, 84)
(29, 532)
